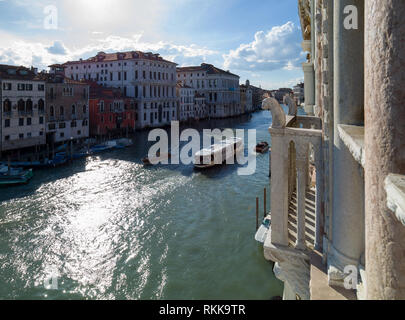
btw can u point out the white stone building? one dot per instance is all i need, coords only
(220, 88)
(22, 96)
(147, 77)
(200, 107)
(186, 102)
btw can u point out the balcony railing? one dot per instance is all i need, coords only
(296, 220)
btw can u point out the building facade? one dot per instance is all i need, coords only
(257, 95)
(22, 96)
(337, 213)
(299, 95)
(146, 77)
(200, 107)
(67, 108)
(246, 99)
(185, 94)
(220, 88)
(110, 112)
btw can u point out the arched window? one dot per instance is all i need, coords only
(7, 106)
(41, 105)
(73, 109)
(52, 111)
(62, 110)
(84, 109)
(29, 105)
(21, 105)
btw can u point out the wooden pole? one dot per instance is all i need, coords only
(265, 200)
(257, 214)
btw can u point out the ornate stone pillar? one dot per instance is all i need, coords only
(319, 214)
(302, 175)
(348, 184)
(309, 87)
(384, 144)
(279, 187)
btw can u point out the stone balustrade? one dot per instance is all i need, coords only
(295, 148)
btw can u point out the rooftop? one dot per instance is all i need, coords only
(208, 68)
(18, 73)
(118, 56)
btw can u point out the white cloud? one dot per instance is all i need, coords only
(278, 48)
(42, 54)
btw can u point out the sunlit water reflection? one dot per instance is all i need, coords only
(112, 229)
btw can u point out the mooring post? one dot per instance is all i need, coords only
(265, 202)
(257, 214)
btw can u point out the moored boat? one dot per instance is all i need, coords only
(14, 176)
(263, 230)
(218, 153)
(60, 158)
(262, 147)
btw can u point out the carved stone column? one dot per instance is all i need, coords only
(302, 169)
(309, 87)
(319, 214)
(384, 144)
(348, 184)
(279, 187)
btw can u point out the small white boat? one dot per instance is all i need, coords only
(263, 230)
(218, 153)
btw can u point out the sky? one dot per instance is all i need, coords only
(259, 40)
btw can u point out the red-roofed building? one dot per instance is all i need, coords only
(110, 111)
(145, 77)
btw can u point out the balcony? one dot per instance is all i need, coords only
(7, 114)
(296, 199)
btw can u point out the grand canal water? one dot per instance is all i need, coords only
(112, 229)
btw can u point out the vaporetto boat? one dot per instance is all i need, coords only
(218, 153)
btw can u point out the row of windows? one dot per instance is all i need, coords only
(155, 105)
(21, 136)
(62, 134)
(62, 110)
(62, 125)
(105, 65)
(154, 75)
(155, 92)
(7, 86)
(113, 118)
(23, 105)
(119, 76)
(191, 75)
(22, 122)
(155, 115)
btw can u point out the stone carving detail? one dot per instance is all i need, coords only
(296, 271)
(305, 17)
(292, 106)
(277, 112)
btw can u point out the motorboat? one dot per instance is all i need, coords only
(219, 153)
(262, 147)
